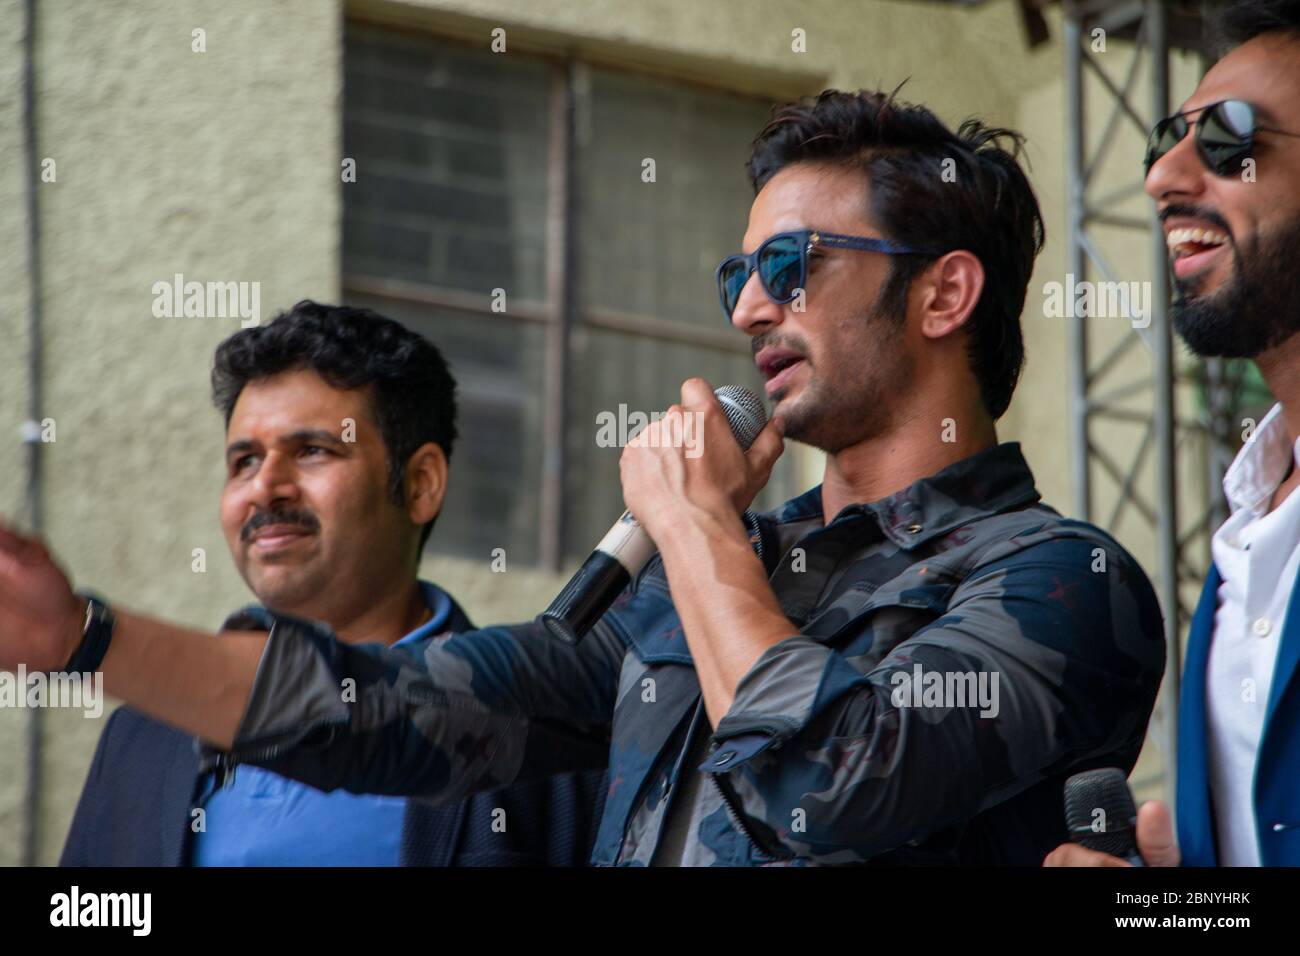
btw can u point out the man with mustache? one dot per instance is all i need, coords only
(901, 665)
(1233, 244)
(339, 427)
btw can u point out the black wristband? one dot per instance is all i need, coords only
(95, 639)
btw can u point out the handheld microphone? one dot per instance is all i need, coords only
(1099, 813)
(626, 548)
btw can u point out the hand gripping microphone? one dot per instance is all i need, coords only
(626, 548)
(1100, 815)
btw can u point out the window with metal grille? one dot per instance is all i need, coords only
(501, 208)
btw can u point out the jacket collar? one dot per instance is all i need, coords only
(989, 482)
(257, 617)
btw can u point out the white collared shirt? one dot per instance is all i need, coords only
(1257, 554)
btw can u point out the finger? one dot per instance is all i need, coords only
(10, 539)
(9, 568)
(697, 393)
(1072, 854)
(26, 548)
(767, 448)
(14, 568)
(659, 433)
(641, 437)
(34, 552)
(1155, 835)
(15, 592)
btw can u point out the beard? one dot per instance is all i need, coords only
(1256, 309)
(854, 385)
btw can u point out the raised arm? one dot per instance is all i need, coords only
(436, 718)
(439, 718)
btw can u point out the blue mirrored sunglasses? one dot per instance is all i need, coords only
(781, 262)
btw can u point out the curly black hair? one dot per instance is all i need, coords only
(984, 205)
(414, 391)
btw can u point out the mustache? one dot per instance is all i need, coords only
(292, 517)
(794, 344)
(1198, 212)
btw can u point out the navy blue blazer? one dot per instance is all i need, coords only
(1277, 769)
(144, 781)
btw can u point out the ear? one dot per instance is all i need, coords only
(426, 483)
(954, 284)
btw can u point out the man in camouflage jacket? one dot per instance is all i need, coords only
(826, 755)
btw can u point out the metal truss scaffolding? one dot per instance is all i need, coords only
(1178, 433)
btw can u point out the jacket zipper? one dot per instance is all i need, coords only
(738, 818)
(734, 813)
(756, 527)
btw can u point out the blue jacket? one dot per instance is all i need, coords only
(145, 778)
(1277, 768)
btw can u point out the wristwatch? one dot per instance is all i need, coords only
(96, 634)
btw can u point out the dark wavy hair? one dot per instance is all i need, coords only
(414, 392)
(1232, 25)
(989, 210)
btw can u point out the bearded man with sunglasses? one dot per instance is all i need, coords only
(901, 665)
(1225, 175)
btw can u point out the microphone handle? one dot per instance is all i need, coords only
(619, 557)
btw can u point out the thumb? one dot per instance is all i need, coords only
(1155, 835)
(767, 448)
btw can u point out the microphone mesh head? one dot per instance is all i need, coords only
(745, 413)
(1112, 829)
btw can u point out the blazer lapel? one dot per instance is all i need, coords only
(1195, 820)
(1288, 655)
(181, 780)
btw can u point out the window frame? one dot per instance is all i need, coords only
(559, 313)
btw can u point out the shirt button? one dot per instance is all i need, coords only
(1262, 627)
(913, 529)
(725, 757)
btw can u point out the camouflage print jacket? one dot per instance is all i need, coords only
(961, 650)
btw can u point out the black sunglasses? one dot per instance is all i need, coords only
(782, 263)
(1225, 135)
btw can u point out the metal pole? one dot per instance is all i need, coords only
(1075, 261)
(31, 431)
(1163, 382)
(560, 294)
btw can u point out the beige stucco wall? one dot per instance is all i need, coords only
(14, 292)
(221, 166)
(224, 166)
